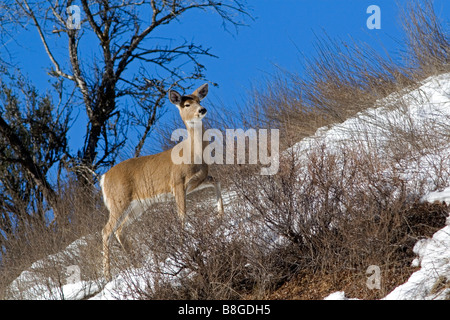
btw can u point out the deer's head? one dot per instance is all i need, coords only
(191, 111)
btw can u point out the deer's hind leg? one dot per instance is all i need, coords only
(134, 211)
(121, 238)
(117, 215)
(107, 233)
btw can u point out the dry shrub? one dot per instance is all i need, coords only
(354, 202)
(340, 80)
(339, 210)
(336, 216)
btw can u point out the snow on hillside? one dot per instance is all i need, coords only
(415, 114)
(432, 281)
(34, 283)
(426, 108)
(423, 109)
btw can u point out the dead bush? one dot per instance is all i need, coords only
(205, 260)
(336, 209)
(338, 212)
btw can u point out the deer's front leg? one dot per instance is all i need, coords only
(180, 199)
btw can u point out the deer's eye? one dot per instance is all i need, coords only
(187, 105)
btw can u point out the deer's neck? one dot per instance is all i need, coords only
(195, 138)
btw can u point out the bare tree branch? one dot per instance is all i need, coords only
(30, 13)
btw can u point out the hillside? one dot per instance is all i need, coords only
(406, 137)
(423, 113)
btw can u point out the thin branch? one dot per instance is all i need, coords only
(150, 122)
(57, 15)
(30, 13)
(91, 20)
(137, 39)
(78, 78)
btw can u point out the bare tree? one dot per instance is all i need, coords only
(129, 64)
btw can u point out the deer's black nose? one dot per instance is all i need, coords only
(202, 111)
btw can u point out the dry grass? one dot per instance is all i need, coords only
(337, 219)
(340, 211)
(428, 43)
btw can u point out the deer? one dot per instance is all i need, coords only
(130, 186)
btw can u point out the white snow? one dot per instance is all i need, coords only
(338, 295)
(438, 196)
(432, 281)
(33, 284)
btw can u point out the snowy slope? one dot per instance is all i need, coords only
(35, 284)
(426, 109)
(416, 113)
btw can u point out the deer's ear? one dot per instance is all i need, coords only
(175, 97)
(202, 91)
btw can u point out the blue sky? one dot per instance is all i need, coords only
(281, 30)
(285, 28)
